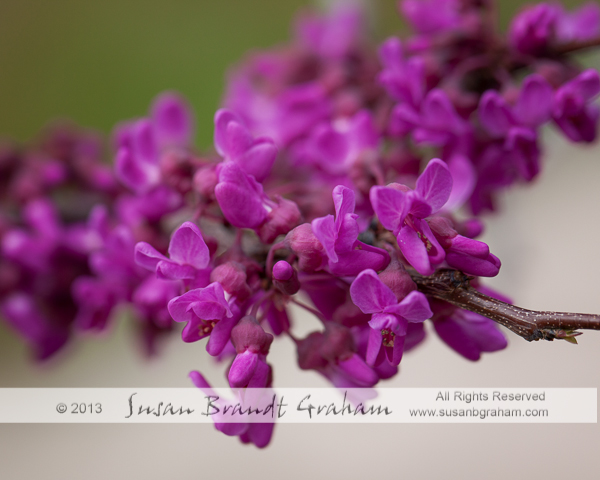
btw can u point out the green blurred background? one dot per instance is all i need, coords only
(101, 62)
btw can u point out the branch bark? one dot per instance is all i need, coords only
(454, 287)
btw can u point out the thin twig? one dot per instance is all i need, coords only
(454, 287)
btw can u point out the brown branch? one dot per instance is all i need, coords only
(454, 287)
(577, 46)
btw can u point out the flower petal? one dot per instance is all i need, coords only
(373, 355)
(534, 105)
(242, 369)
(414, 250)
(259, 159)
(356, 368)
(370, 294)
(325, 230)
(435, 184)
(390, 206)
(364, 257)
(494, 114)
(344, 201)
(221, 334)
(188, 247)
(240, 197)
(414, 308)
(173, 120)
(145, 255)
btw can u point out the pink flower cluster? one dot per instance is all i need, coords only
(338, 175)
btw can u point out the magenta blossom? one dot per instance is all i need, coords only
(517, 125)
(257, 433)
(141, 143)
(334, 147)
(339, 237)
(207, 313)
(574, 111)
(252, 343)
(434, 122)
(404, 79)
(539, 27)
(189, 257)
(333, 354)
(403, 211)
(431, 17)
(390, 319)
(235, 143)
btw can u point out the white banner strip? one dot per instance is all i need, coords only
(299, 405)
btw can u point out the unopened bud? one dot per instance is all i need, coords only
(248, 335)
(285, 216)
(205, 181)
(285, 278)
(338, 343)
(397, 279)
(232, 277)
(302, 241)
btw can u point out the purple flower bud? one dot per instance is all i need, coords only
(397, 279)
(465, 254)
(284, 216)
(469, 334)
(205, 181)
(240, 197)
(532, 30)
(248, 335)
(311, 254)
(252, 344)
(285, 278)
(232, 277)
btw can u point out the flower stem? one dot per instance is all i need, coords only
(454, 287)
(578, 46)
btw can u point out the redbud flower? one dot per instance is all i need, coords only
(573, 110)
(339, 237)
(402, 212)
(390, 318)
(249, 369)
(207, 313)
(189, 256)
(234, 142)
